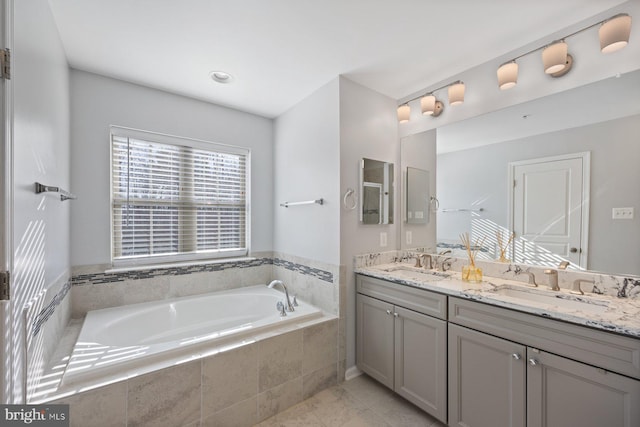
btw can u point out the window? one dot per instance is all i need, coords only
(176, 199)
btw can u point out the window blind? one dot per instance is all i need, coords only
(176, 201)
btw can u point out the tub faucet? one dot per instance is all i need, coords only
(289, 306)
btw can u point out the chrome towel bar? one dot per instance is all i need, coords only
(308, 202)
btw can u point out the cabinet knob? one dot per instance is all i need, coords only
(533, 362)
(516, 356)
(389, 312)
(396, 315)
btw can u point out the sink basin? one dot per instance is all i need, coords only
(416, 274)
(552, 298)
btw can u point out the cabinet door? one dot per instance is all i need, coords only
(420, 361)
(562, 392)
(374, 349)
(486, 380)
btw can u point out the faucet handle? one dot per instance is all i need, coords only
(576, 289)
(280, 308)
(418, 265)
(295, 301)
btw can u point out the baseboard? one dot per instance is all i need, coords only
(352, 372)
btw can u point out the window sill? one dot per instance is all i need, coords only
(176, 264)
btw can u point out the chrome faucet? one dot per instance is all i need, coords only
(553, 279)
(289, 306)
(426, 257)
(532, 277)
(576, 289)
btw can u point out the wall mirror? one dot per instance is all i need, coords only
(376, 192)
(418, 196)
(478, 188)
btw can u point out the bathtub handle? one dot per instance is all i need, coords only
(280, 307)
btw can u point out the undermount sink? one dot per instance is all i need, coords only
(415, 273)
(553, 298)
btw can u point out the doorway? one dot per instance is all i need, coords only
(549, 205)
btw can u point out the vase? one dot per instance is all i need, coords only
(471, 274)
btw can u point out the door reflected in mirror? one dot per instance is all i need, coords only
(376, 189)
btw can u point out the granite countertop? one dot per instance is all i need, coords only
(608, 313)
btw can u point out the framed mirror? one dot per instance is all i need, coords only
(418, 196)
(376, 192)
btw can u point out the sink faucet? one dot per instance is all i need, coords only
(289, 306)
(445, 252)
(553, 279)
(576, 289)
(532, 277)
(426, 257)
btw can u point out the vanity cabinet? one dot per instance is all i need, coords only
(403, 347)
(496, 381)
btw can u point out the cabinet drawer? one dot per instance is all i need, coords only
(422, 301)
(609, 351)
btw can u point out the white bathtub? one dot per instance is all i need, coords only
(121, 339)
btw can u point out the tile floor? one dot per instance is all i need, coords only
(359, 402)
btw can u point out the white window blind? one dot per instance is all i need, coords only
(175, 200)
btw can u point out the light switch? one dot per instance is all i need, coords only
(622, 213)
(383, 239)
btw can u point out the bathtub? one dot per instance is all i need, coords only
(123, 340)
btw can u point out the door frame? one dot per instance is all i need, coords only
(585, 156)
(6, 203)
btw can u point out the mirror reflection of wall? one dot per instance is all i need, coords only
(477, 176)
(377, 192)
(418, 153)
(418, 196)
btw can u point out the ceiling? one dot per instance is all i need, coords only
(280, 51)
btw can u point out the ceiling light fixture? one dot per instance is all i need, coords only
(430, 105)
(613, 33)
(221, 77)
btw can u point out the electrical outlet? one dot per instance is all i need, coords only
(383, 239)
(622, 213)
(409, 237)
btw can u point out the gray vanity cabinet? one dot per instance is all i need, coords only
(562, 392)
(487, 380)
(403, 349)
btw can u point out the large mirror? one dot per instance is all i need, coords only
(376, 192)
(562, 172)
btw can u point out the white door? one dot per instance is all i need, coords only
(6, 177)
(550, 206)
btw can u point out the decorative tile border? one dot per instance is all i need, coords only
(101, 278)
(46, 313)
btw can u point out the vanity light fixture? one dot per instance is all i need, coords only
(508, 75)
(404, 111)
(613, 33)
(430, 105)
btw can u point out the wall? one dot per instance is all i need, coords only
(97, 102)
(306, 161)
(478, 177)
(368, 128)
(41, 153)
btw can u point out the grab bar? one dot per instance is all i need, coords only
(308, 202)
(64, 195)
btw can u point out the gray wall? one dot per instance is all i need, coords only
(41, 153)
(97, 102)
(478, 178)
(307, 167)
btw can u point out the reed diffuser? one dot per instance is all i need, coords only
(503, 246)
(471, 273)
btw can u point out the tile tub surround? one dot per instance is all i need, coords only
(621, 315)
(235, 385)
(95, 287)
